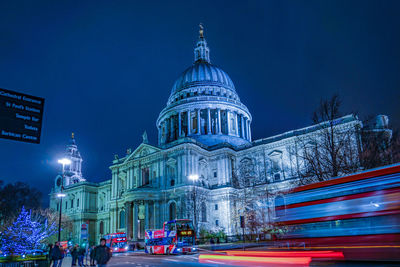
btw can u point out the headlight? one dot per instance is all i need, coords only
(179, 249)
(115, 249)
(193, 248)
(126, 247)
(23, 256)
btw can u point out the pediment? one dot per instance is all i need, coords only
(203, 162)
(142, 150)
(275, 153)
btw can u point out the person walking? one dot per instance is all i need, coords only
(102, 253)
(50, 251)
(74, 254)
(81, 255)
(57, 255)
(212, 242)
(91, 255)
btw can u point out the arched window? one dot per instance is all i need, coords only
(122, 219)
(203, 212)
(172, 211)
(101, 230)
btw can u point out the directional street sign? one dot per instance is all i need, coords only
(20, 116)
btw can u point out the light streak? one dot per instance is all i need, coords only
(303, 261)
(312, 254)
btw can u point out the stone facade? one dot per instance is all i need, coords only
(204, 132)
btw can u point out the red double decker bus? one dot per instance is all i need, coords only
(177, 236)
(358, 214)
(117, 242)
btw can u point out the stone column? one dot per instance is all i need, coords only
(228, 122)
(172, 128)
(159, 134)
(219, 120)
(237, 124)
(135, 221)
(198, 122)
(128, 225)
(208, 121)
(147, 217)
(242, 124)
(249, 131)
(179, 124)
(157, 222)
(114, 183)
(128, 180)
(245, 128)
(189, 124)
(132, 182)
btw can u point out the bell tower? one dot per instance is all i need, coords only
(73, 171)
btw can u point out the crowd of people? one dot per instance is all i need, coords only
(99, 255)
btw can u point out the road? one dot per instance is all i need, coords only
(141, 259)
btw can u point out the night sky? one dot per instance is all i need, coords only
(106, 68)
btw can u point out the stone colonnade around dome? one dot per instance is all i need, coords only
(204, 121)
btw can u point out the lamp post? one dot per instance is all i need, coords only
(64, 162)
(194, 178)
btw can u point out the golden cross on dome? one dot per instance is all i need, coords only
(72, 135)
(201, 31)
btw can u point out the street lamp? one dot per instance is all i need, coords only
(60, 195)
(194, 178)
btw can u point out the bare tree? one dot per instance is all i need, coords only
(332, 146)
(197, 206)
(52, 217)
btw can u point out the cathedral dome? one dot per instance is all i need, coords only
(204, 106)
(202, 73)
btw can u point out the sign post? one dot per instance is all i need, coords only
(20, 116)
(242, 225)
(84, 231)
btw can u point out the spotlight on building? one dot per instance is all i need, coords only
(61, 195)
(64, 161)
(194, 177)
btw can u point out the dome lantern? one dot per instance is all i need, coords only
(201, 51)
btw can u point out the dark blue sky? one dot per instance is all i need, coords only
(106, 68)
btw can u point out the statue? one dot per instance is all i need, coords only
(144, 136)
(201, 31)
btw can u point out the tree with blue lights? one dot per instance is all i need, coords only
(25, 233)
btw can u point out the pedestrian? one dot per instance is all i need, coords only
(102, 253)
(81, 255)
(91, 255)
(74, 254)
(57, 255)
(50, 250)
(212, 242)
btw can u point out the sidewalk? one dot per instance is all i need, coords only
(67, 261)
